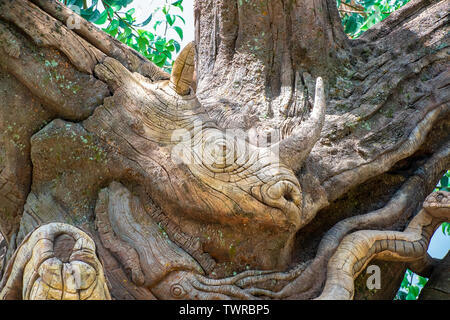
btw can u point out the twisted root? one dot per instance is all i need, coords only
(359, 248)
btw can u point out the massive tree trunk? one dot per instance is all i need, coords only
(301, 157)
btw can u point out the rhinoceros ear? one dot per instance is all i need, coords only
(183, 70)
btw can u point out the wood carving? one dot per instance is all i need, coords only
(55, 262)
(293, 160)
(357, 249)
(183, 70)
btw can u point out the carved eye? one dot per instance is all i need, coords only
(218, 150)
(177, 291)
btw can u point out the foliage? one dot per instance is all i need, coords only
(444, 184)
(411, 286)
(446, 228)
(359, 15)
(141, 36)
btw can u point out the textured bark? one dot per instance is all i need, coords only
(3, 248)
(330, 136)
(55, 262)
(438, 286)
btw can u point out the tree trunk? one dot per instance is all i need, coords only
(438, 286)
(301, 156)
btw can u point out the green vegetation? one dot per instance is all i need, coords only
(121, 23)
(411, 286)
(444, 184)
(360, 15)
(119, 20)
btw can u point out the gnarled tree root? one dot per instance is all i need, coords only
(55, 262)
(359, 248)
(144, 249)
(306, 282)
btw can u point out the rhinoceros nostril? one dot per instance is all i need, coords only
(284, 190)
(288, 197)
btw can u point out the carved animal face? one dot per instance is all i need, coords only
(216, 175)
(206, 180)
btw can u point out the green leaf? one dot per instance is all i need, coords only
(177, 46)
(122, 24)
(179, 31)
(146, 22)
(157, 24)
(422, 281)
(401, 295)
(180, 17)
(351, 25)
(102, 18)
(115, 24)
(444, 181)
(405, 282)
(170, 46)
(90, 15)
(414, 290)
(168, 54)
(169, 19)
(125, 3)
(113, 28)
(77, 3)
(160, 45)
(178, 4)
(129, 18)
(127, 32)
(410, 296)
(159, 60)
(368, 3)
(446, 228)
(409, 272)
(116, 7)
(110, 12)
(93, 5)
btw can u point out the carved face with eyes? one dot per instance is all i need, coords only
(208, 180)
(217, 175)
(251, 180)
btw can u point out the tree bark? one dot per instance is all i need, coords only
(278, 169)
(438, 286)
